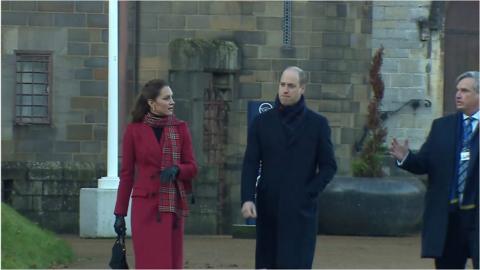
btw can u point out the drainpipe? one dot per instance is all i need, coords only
(122, 64)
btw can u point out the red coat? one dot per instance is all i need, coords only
(141, 163)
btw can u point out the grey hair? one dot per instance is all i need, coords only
(301, 74)
(470, 74)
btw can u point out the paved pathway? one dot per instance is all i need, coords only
(224, 252)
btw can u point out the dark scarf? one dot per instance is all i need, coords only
(291, 116)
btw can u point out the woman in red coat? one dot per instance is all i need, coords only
(157, 169)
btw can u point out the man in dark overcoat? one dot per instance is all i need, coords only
(450, 158)
(293, 146)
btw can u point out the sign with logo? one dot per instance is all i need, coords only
(257, 107)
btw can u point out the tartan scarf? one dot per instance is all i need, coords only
(172, 196)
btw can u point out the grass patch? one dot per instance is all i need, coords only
(26, 245)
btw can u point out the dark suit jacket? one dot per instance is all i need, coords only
(438, 158)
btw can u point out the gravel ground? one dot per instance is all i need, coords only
(224, 252)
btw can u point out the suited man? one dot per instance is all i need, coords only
(293, 144)
(450, 158)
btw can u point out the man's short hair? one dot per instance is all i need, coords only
(301, 74)
(470, 74)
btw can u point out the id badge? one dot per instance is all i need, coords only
(465, 156)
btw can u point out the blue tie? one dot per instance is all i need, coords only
(463, 168)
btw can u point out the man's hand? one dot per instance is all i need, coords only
(398, 150)
(249, 210)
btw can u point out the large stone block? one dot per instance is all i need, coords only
(257, 64)
(75, 48)
(96, 117)
(21, 203)
(153, 36)
(250, 37)
(171, 22)
(14, 170)
(89, 157)
(79, 132)
(82, 35)
(279, 52)
(40, 19)
(328, 24)
(97, 20)
(269, 23)
(83, 74)
(326, 53)
(221, 8)
(96, 62)
(27, 187)
(336, 39)
(79, 171)
(14, 18)
(45, 171)
(185, 7)
(56, 6)
(69, 20)
(20, 5)
(30, 146)
(66, 146)
(91, 147)
(157, 7)
(95, 103)
(250, 90)
(99, 49)
(89, 6)
(198, 21)
(301, 24)
(100, 132)
(316, 8)
(93, 88)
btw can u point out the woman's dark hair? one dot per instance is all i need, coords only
(151, 90)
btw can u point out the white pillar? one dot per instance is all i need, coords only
(111, 180)
(97, 204)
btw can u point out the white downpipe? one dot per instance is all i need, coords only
(111, 181)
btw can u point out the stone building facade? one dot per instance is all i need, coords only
(332, 41)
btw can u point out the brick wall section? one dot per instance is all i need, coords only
(410, 70)
(76, 32)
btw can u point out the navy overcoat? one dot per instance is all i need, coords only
(295, 168)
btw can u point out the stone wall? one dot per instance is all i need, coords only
(76, 33)
(48, 192)
(412, 67)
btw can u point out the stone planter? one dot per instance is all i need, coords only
(371, 206)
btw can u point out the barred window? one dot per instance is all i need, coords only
(33, 87)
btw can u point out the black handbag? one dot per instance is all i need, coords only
(119, 254)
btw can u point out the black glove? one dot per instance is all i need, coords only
(119, 226)
(169, 174)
